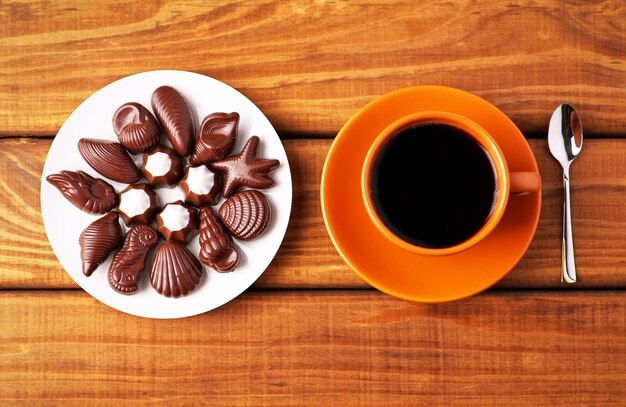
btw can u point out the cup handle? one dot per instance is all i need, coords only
(525, 182)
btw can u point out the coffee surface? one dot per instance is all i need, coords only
(433, 185)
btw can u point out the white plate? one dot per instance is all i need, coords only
(64, 222)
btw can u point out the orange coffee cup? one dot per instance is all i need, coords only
(505, 184)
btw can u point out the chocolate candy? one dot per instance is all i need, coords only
(201, 186)
(175, 117)
(138, 204)
(245, 169)
(110, 159)
(177, 221)
(162, 166)
(175, 271)
(136, 128)
(98, 241)
(129, 262)
(217, 138)
(216, 246)
(246, 214)
(92, 195)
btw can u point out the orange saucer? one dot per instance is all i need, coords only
(386, 266)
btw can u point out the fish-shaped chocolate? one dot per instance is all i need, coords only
(92, 195)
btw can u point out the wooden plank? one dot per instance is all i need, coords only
(318, 348)
(307, 257)
(310, 65)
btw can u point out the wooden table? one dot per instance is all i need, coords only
(310, 332)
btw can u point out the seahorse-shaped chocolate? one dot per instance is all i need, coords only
(129, 261)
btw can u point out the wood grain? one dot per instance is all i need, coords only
(318, 348)
(309, 65)
(307, 258)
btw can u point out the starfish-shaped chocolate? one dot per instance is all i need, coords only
(245, 169)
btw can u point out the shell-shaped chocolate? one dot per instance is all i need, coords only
(137, 129)
(92, 195)
(216, 139)
(98, 241)
(175, 270)
(216, 247)
(129, 261)
(176, 118)
(246, 214)
(110, 159)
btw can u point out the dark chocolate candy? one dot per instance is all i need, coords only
(246, 214)
(201, 186)
(216, 139)
(245, 169)
(177, 221)
(162, 166)
(98, 241)
(216, 246)
(110, 159)
(138, 204)
(136, 128)
(129, 261)
(92, 195)
(175, 270)
(176, 118)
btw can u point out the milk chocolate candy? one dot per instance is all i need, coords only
(216, 246)
(136, 128)
(177, 221)
(129, 261)
(175, 270)
(176, 118)
(138, 204)
(201, 186)
(92, 195)
(98, 241)
(245, 169)
(110, 159)
(246, 214)
(216, 139)
(162, 166)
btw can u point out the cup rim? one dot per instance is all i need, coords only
(471, 128)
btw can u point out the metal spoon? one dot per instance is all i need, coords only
(565, 140)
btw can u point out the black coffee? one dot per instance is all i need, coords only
(433, 185)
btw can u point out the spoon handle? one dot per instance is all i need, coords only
(568, 265)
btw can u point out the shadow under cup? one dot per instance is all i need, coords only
(437, 183)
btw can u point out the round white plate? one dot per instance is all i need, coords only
(64, 222)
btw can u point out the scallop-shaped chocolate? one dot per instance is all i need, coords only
(128, 263)
(110, 159)
(246, 214)
(98, 241)
(175, 270)
(216, 139)
(216, 246)
(92, 195)
(176, 118)
(136, 128)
